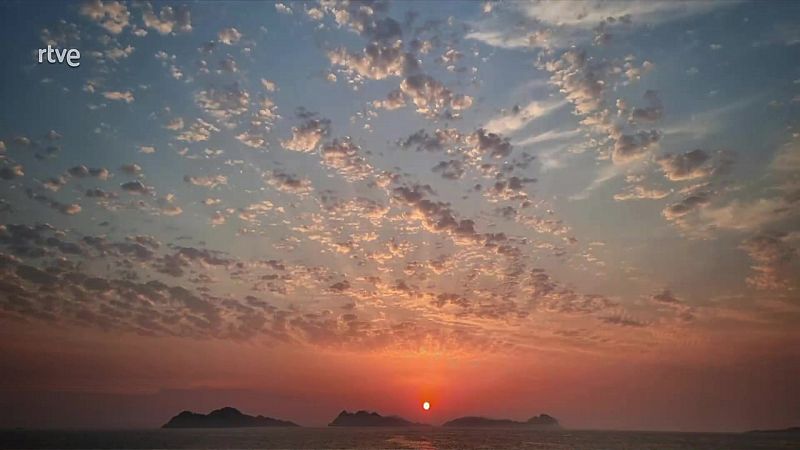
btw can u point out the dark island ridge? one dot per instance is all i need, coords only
(371, 419)
(224, 418)
(542, 421)
(790, 430)
(229, 417)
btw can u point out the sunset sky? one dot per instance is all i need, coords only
(586, 209)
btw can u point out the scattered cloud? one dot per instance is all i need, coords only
(121, 96)
(772, 256)
(111, 15)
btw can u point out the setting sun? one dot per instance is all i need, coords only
(426, 406)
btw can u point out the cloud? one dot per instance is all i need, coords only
(340, 286)
(217, 219)
(394, 100)
(629, 147)
(115, 54)
(376, 62)
(111, 15)
(69, 209)
(538, 24)
(519, 117)
(168, 20)
(585, 81)
(544, 225)
(450, 56)
(54, 183)
(136, 187)
(268, 85)
(432, 98)
(198, 131)
(511, 189)
(81, 171)
(422, 141)
(252, 139)
(623, 320)
(696, 213)
(209, 181)
(289, 183)
(282, 8)
(750, 214)
(35, 276)
(452, 169)
(344, 156)
(99, 193)
(548, 295)
(787, 159)
(229, 36)
(174, 124)
(490, 144)
(695, 164)
(437, 216)
(62, 34)
(666, 298)
(772, 257)
(355, 207)
(588, 13)
(392, 261)
(131, 169)
(168, 207)
(315, 14)
(649, 114)
(152, 308)
(121, 96)
(685, 166)
(254, 211)
(307, 136)
(638, 192)
(266, 114)
(11, 171)
(679, 210)
(369, 21)
(580, 79)
(225, 103)
(22, 141)
(228, 64)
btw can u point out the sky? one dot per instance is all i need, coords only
(587, 209)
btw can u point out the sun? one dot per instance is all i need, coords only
(426, 406)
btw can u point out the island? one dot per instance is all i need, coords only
(541, 422)
(790, 430)
(371, 419)
(224, 418)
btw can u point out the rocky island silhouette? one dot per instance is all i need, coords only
(226, 417)
(229, 417)
(543, 421)
(371, 419)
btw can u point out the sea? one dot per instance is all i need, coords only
(390, 438)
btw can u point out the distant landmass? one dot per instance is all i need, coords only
(790, 430)
(542, 421)
(224, 418)
(370, 419)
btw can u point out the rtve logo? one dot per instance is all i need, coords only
(72, 56)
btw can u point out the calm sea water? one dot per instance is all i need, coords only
(388, 438)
